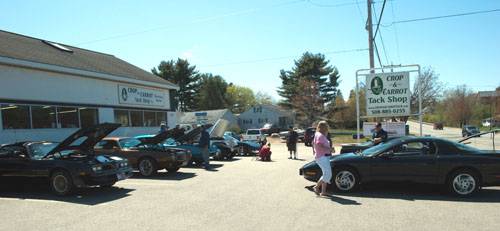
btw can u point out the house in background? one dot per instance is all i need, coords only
(258, 115)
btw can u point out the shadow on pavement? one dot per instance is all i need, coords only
(38, 189)
(414, 192)
(166, 176)
(226, 160)
(337, 199)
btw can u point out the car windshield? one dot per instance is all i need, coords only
(253, 132)
(129, 142)
(39, 150)
(378, 148)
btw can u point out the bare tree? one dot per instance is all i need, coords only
(459, 104)
(431, 87)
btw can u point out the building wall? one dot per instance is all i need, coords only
(30, 86)
(259, 115)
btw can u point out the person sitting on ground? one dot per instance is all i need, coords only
(379, 134)
(265, 152)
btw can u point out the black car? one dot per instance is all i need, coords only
(462, 168)
(355, 147)
(68, 165)
(469, 130)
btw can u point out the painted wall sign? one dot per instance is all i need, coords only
(388, 94)
(141, 96)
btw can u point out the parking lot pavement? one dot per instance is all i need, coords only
(483, 142)
(244, 194)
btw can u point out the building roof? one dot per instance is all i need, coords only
(26, 48)
(212, 116)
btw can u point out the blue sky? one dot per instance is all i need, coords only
(248, 42)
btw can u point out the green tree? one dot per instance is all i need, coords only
(310, 74)
(212, 93)
(239, 98)
(180, 72)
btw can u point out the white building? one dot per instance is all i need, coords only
(49, 90)
(259, 115)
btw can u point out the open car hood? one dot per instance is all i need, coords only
(159, 138)
(88, 136)
(191, 134)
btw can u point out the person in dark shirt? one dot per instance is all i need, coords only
(204, 143)
(291, 143)
(379, 134)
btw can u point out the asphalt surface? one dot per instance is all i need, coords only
(244, 194)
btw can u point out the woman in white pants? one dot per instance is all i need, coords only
(322, 152)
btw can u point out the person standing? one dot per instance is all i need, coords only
(291, 142)
(204, 143)
(163, 127)
(379, 135)
(322, 152)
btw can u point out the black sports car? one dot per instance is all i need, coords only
(355, 147)
(462, 168)
(70, 164)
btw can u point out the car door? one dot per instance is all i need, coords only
(408, 161)
(14, 161)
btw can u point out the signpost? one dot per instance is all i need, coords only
(388, 93)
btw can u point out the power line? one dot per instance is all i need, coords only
(284, 57)
(395, 33)
(442, 16)
(379, 19)
(200, 20)
(381, 39)
(336, 5)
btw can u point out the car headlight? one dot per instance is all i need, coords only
(97, 168)
(123, 164)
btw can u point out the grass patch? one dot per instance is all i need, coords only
(340, 139)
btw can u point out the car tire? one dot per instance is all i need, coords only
(172, 169)
(345, 179)
(147, 167)
(463, 183)
(61, 183)
(107, 185)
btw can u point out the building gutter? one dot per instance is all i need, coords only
(83, 73)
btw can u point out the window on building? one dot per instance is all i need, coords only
(136, 119)
(161, 117)
(88, 117)
(15, 116)
(121, 116)
(67, 117)
(43, 116)
(149, 119)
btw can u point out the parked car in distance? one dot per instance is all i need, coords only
(269, 129)
(469, 130)
(490, 122)
(309, 136)
(438, 126)
(461, 168)
(69, 164)
(300, 132)
(254, 135)
(147, 156)
(248, 148)
(227, 145)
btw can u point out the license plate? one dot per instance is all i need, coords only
(121, 176)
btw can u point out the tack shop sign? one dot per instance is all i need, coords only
(388, 94)
(141, 96)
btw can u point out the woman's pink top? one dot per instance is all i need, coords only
(321, 145)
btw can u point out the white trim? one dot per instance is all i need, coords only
(72, 71)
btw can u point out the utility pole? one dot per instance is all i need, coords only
(369, 27)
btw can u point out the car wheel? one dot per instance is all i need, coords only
(61, 183)
(147, 167)
(345, 179)
(463, 183)
(172, 169)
